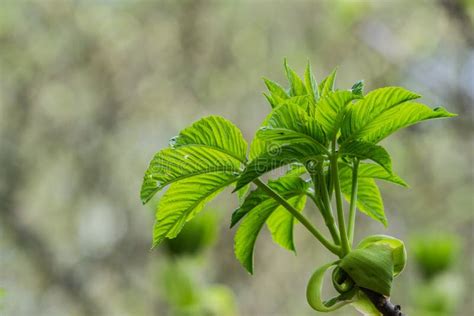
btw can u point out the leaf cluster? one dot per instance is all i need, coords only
(328, 141)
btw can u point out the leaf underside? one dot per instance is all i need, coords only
(369, 199)
(259, 208)
(249, 229)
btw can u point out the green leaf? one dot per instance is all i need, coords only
(296, 170)
(170, 165)
(242, 193)
(374, 263)
(327, 85)
(272, 100)
(383, 111)
(278, 157)
(288, 185)
(369, 200)
(284, 125)
(211, 144)
(397, 248)
(303, 101)
(404, 115)
(370, 268)
(275, 89)
(246, 236)
(258, 147)
(184, 200)
(310, 83)
(370, 170)
(298, 106)
(330, 110)
(358, 88)
(373, 105)
(214, 132)
(203, 159)
(297, 86)
(281, 222)
(364, 150)
(290, 124)
(254, 198)
(315, 288)
(195, 237)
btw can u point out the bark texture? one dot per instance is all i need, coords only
(383, 304)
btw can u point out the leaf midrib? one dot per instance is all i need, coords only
(356, 134)
(198, 201)
(189, 175)
(216, 169)
(303, 135)
(232, 155)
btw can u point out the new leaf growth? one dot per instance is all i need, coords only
(327, 139)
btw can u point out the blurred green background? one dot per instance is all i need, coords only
(89, 90)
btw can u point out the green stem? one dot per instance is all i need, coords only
(352, 208)
(328, 219)
(331, 184)
(346, 248)
(300, 217)
(329, 213)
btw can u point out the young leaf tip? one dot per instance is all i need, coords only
(446, 113)
(235, 218)
(267, 82)
(155, 243)
(358, 87)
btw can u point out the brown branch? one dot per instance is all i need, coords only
(383, 304)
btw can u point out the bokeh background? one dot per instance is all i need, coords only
(89, 90)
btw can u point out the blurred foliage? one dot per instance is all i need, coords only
(186, 296)
(184, 288)
(441, 289)
(90, 90)
(2, 295)
(438, 298)
(435, 253)
(195, 236)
